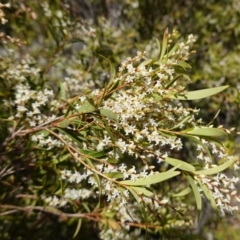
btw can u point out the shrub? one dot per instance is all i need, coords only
(80, 146)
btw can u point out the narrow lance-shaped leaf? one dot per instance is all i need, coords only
(196, 139)
(135, 195)
(196, 192)
(174, 48)
(173, 81)
(143, 191)
(112, 69)
(108, 113)
(146, 62)
(164, 44)
(216, 115)
(181, 123)
(217, 169)
(183, 64)
(79, 224)
(208, 194)
(87, 107)
(182, 193)
(114, 175)
(155, 178)
(199, 94)
(206, 132)
(96, 154)
(181, 164)
(89, 162)
(62, 92)
(64, 123)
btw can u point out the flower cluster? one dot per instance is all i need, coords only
(29, 103)
(149, 126)
(223, 190)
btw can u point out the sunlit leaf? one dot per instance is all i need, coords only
(183, 64)
(182, 193)
(87, 107)
(181, 164)
(217, 169)
(152, 179)
(158, 47)
(164, 44)
(112, 69)
(181, 123)
(208, 194)
(96, 154)
(135, 195)
(196, 192)
(146, 62)
(143, 191)
(96, 176)
(71, 134)
(207, 132)
(173, 81)
(216, 115)
(114, 175)
(108, 113)
(113, 224)
(64, 123)
(198, 141)
(173, 49)
(199, 94)
(78, 227)
(112, 160)
(62, 92)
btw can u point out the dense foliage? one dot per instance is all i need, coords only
(103, 133)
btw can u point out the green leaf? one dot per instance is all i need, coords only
(142, 191)
(174, 48)
(164, 44)
(196, 192)
(89, 162)
(146, 62)
(96, 154)
(87, 107)
(155, 178)
(174, 168)
(73, 135)
(206, 132)
(217, 169)
(216, 115)
(196, 139)
(208, 194)
(173, 81)
(78, 227)
(180, 123)
(112, 160)
(114, 175)
(61, 158)
(112, 69)
(52, 210)
(158, 47)
(183, 65)
(62, 92)
(181, 164)
(135, 195)
(182, 193)
(109, 114)
(64, 123)
(199, 94)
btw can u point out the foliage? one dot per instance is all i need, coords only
(94, 132)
